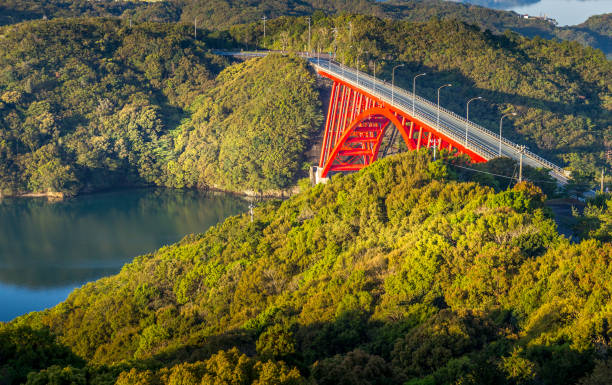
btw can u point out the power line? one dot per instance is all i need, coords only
(481, 171)
(499, 175)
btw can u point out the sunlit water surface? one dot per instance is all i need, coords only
(48, 249)
(565, 12)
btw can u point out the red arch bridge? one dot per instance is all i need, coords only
(362, 108)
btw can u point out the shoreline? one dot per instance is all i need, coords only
(248, 194)
(53, 195)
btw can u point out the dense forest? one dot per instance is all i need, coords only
(88, 104)
(401, 273)
(250, 131)
(219, 14)
(561, 91)
(94, 103)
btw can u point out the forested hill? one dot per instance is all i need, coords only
(223, 13)
(401, 273)
(561, 91)
(87, 104)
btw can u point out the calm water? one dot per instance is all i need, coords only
(48, 249)
(566, 12)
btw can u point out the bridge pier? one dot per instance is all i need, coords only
(316, 176)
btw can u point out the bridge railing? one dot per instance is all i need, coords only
(447, 131)
(485, 131)
(475, 127)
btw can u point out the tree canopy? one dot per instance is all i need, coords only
(88, 104)
(399, 273)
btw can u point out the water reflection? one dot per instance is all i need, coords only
(46, 249)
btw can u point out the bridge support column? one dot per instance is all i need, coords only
(316, 177)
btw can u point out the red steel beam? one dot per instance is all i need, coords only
(476, 158)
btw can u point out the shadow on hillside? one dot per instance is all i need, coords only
(447, 346)
(404, 349)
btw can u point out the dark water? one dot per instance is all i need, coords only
(48, 249)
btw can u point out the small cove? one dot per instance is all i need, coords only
(49, 248)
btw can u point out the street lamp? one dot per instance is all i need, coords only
(467, 116)
(414, 89)
(500, 128)
(438, 112)
(393, 80)
(374, 75)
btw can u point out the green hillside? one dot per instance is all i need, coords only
(250, 131)
(401, 273)
(561, 90)
(219, 14)
(87, 104)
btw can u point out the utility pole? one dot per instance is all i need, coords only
(435, 141)
(335, 32)
(264, 18)
(308, 34)
(521, 151)
(602, 180)
(195, 28)
(374, 75)
(414, 89)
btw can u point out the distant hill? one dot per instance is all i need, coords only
(87, 104)
(219, 14)
(94, 103)
(596, 31)
(601, 24)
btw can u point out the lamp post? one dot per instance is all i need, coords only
(375, 76)
(500, 129)
(438, 111)
(264, 18)
(393, 80)
(467, 116)
(414, 89)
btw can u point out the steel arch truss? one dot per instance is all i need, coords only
(356, 124)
